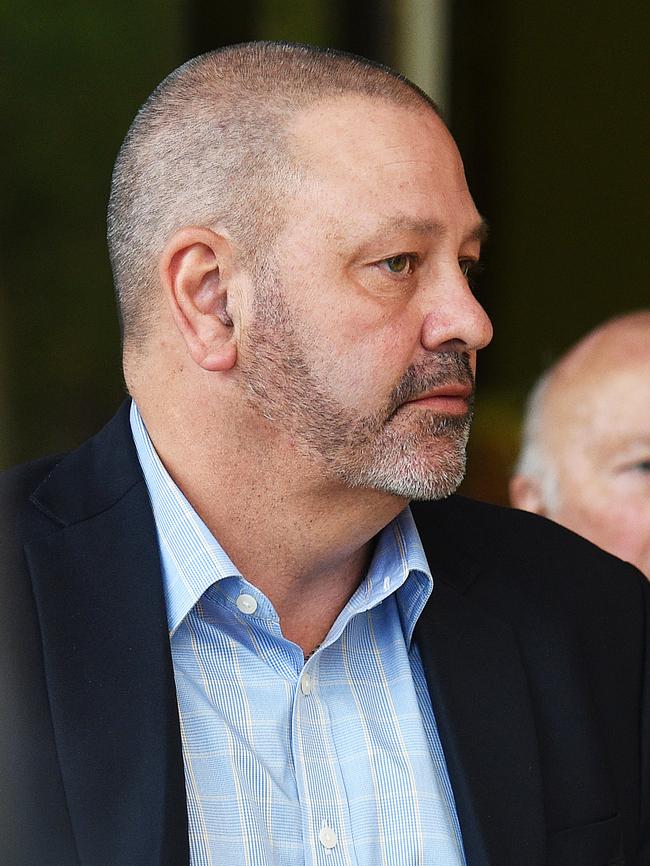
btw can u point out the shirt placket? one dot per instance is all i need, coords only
(323, 801)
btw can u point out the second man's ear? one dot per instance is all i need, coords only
(525, 493)
(196, 275)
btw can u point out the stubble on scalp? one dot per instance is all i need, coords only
(210, 147)
(419, 457)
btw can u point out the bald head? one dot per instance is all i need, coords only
(210, 147)
(585, 459)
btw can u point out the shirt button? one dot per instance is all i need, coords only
(246, 603)
(306, 684)
(328, 838)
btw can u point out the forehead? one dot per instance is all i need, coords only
(389, 159)
(609, 405)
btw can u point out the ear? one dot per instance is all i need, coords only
(525, 493)
(196, 274)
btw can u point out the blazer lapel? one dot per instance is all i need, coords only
(483, 711)
(97, 584)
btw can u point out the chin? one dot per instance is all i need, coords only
(437, 485)
(412, 476)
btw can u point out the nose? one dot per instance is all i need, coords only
(454, 319)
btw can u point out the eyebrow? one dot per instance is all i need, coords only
(478, 233)
(634, 441)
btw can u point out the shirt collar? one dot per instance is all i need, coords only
(400, 566)
(192, 559)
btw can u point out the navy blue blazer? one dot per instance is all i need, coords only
(534, 644)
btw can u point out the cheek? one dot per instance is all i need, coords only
(364, 373)
(615, 522)
(357, 320)
(362, 357)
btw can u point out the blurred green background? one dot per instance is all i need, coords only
(548, 104)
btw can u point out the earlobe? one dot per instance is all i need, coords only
(196, 274)
(221, 359)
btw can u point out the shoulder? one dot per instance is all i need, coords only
(493, 527)
(500, 552)
(493, 532)
(67, 488)
(20, 521)
(19, 481)
(17, 486)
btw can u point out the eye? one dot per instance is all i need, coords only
(636, 468)
(404, 263)
(471, 270)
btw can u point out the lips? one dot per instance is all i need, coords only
(443, 384)
(458, 390)
(452, 399)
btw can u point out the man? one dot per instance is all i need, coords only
(235, 647)
(585, 459)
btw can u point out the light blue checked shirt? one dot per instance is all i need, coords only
(333, 761)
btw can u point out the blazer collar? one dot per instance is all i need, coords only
(96, 580)
(94, 477)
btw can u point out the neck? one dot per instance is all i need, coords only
(303, 540)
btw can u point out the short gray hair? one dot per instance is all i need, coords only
(210, 147)
(534, 461)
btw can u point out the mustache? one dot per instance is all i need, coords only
(448, 368)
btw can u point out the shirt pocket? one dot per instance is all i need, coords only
(598, 844)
